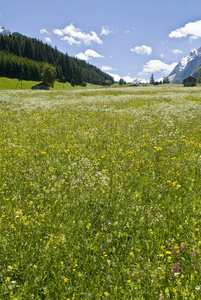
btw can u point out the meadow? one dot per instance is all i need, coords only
(100, 193)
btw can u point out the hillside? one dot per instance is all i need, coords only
(23, 57)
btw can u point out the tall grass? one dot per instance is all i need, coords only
(100, 194)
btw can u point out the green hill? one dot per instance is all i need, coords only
(23, 57)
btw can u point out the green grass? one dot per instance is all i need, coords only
(15, 84)
(100, 193)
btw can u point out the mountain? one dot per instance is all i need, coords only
(189, 65)
(140, 80)
(4, 31)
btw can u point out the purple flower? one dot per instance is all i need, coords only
(31, 265)
(89, 294)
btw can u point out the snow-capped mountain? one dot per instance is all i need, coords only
(4, 31)
(140, 80)
(189, 65)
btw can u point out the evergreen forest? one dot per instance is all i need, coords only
(23, 58)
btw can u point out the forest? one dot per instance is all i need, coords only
(23, 58)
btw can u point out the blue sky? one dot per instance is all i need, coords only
(127, 39)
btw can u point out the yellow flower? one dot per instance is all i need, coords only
(65, 280)
(197, 229)
(168, 252)
(161, 255)
(128, 281)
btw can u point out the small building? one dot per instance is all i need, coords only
(41, 86)
(189, 81)
(107, 83)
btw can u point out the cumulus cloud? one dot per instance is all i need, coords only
(107, 68)
(79, 36)
(105, 30)
(191, 29)
(153, 66)
(70, 40)
(42, 31)
(88, 54)
(143, 49)
(177, 51)
(48, 40)
(58, 32)
(115, 76)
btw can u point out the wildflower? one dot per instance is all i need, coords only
(128, 281)
(89, 294)
(65, 280)
(168, 252)
(197, 229)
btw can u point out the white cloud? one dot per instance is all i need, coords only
(58, 32)
(70, 40)
(48, 40)
(107, 68)
(115, 76)
(81, 37)
(192, 29)
(88, 54)
(177, 51)
(44, 31)
(162, 55)
(153, 66)
(105, 30)
(82, 56)
(143, 49)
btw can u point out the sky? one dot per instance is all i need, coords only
(125, 38)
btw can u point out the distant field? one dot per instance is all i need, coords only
(15, 84)
(100, 193)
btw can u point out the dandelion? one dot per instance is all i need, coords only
(197, 229)
(65, 280)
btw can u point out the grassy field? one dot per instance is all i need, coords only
(15, 84)
(100, 193)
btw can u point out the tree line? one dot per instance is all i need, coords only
(23, 57)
